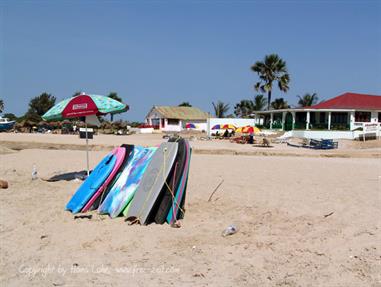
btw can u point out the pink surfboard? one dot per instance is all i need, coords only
(119, 153)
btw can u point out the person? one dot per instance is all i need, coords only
(232, 133)
(226, 134)
(251, 138)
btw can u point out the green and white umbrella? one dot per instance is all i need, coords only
(83, 105)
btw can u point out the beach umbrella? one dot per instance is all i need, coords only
(190, 126)
(248, 129)
(229, 126)
(83, 105)
(217, 127)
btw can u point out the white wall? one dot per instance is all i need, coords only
(234, 121)
(172, 128)
(323, 134)
(200, 126)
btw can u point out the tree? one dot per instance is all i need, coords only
(39, 106)
(185, 104)
(1, 106)
(272, 69)
(220, 109)
(279, 103)
(244, 108)
(308, 100)
(114, 96)
(259, 102)
(77, 93)
(10, 116)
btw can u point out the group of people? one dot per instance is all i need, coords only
(242, 139)
(226, 134)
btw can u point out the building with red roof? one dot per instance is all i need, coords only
(351, 101)
(345, 113)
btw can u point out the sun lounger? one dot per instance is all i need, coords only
(283, 138)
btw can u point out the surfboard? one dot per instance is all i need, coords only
(168, 192)
(181, 211)
(119, 153)
(176, 203)
(91, 184)
(152, 182)
(124, 189)
(128, 155)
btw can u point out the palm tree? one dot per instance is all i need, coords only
(1, 105)
(279, 103)
(220, 109)
(244, 108)
(185, 104)
(308, 100)
(259, 103)
(114, 96)
(272, 69)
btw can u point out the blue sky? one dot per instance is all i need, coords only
(166, 52)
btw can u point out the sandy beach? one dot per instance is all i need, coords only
(305, 218)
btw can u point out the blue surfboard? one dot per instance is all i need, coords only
(91, 184)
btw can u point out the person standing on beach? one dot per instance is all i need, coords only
(251, 138)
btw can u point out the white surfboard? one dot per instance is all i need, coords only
(152, 182)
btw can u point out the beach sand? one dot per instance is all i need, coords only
(303, 221)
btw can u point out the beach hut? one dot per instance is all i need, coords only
(174, 119)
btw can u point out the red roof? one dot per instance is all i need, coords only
(351, 101)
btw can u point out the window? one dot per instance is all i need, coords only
(379, 117)
(362, 116)
(339, 118)
(173, 122)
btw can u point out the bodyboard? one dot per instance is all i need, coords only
(119, 153)
(152, 182)
(168, 192)
(91, 184)
(124, 189)
(176, 203)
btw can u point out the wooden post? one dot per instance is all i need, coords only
(329, 120)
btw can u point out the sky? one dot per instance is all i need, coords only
(168, 52)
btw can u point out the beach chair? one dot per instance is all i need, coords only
(283, 138)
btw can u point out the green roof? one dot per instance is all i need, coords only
(181, 113)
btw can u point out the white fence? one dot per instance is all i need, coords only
(368, 128)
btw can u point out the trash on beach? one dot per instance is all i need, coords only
(68, 176)
(230, 230)
(83, 216)
(3, 184)
(214, 191)
(329, 214)
(34, 172)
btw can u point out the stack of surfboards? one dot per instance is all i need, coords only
(143, 184)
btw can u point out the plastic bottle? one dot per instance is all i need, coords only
(34, 172)
(231, 229)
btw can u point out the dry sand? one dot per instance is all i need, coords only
(303, 221)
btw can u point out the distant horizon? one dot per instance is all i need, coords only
(167, 53)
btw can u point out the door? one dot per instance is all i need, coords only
(288, 122)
